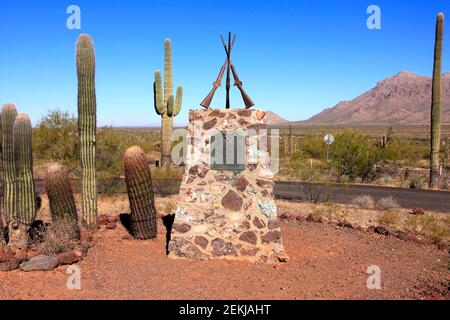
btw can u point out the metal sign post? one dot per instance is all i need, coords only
(329, 139)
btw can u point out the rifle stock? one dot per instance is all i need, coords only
(238, 83)
(207, 101)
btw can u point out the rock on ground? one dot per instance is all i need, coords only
(40, 263)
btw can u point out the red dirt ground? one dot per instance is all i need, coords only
(326, 262)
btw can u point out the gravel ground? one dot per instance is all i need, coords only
(326, 262)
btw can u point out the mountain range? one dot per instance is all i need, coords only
(403, 98)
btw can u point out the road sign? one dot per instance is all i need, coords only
(329, 139)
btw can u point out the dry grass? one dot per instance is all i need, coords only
(438, 230)
(389, 218)
(387, 203)
(432, 224)
(332, 211)
(2, 240)
(364, 202)
(59, 237)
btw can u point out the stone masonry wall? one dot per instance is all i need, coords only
(221, 213)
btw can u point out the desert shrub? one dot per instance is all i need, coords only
(312, 147)
(109, 152)
(389, 218)
(58, 237)
(355, 156)
(412, 224)
(387, 179)
(333, 212)
(55, 138)
(406, 149)
(166, 181)
(428, 224)
(316, 188)
(436, 231)
(387, 203)
(111, 145)
(364, 202)
(417, 183)
(445, 184)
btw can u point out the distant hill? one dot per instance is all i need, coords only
(273, 118)
(403, 98)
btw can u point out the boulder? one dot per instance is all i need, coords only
(10, 265)
(69, 257)
(40, 263)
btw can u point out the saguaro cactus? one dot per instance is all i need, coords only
(87, 127)
(2, 216)
(139, 186)
(9, 114)
(60, 193)
(436, 103)
(165, 104)
(22, 132)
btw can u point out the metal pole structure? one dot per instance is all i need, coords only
(227, 105)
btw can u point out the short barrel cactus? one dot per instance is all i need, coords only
(60, 193)
(139, 186)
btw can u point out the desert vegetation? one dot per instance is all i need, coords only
(357, 156)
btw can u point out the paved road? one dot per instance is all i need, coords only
(407, 198)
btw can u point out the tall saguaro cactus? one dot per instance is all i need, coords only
(22, 132)
(139, 186)
(8, 117)
(165, 104)
(436, 103)
(87, 127)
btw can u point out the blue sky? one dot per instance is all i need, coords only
(294, 57)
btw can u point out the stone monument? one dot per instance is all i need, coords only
(226, 207)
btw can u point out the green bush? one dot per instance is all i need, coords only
(417, 183)
(354, 155)
(55, 138)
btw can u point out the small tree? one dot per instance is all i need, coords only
(355, 156)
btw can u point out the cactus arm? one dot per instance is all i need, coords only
(158, 95)
(85, 60)
(170, 105)
(178, 102)
(167, 70)
(22, 132)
